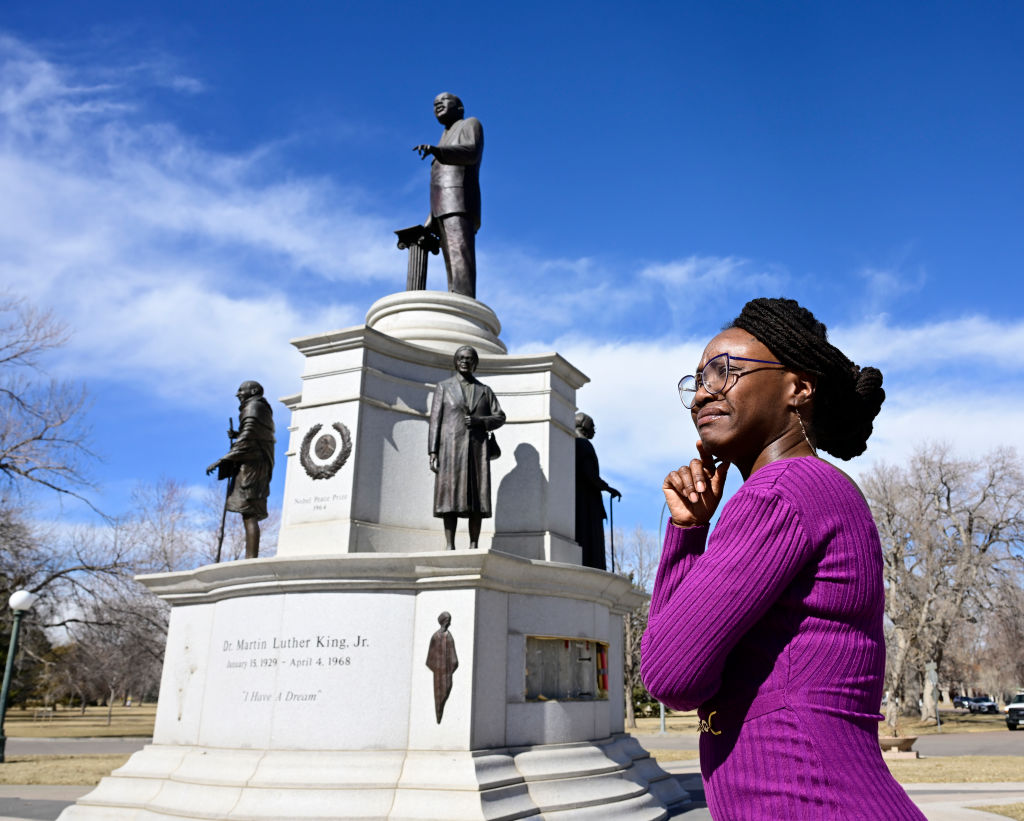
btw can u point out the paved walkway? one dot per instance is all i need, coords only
(32, 803)
(75, 746)
(939, 802)
(994, 742)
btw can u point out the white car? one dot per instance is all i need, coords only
(1015, 713)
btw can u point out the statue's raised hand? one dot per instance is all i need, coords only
(424, 149)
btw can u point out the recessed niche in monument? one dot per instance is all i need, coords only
(565, 669)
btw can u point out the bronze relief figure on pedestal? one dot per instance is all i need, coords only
(443, 662)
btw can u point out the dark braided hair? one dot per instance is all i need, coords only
(846, 398)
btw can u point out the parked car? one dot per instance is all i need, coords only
(960, 702)
(1015, 713)
(982, 704)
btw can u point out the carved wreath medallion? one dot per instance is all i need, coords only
(326, 446)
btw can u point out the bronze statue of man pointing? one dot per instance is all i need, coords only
(455, 190)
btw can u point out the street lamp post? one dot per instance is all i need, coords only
(21, 601)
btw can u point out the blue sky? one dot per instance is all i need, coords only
(190, 185)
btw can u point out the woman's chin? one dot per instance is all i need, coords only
(713, 444)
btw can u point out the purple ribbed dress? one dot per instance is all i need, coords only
(775, 633)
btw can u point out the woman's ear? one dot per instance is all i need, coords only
(803, 388)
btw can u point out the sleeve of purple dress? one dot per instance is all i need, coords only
(704, 602)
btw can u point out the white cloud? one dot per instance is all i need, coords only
(696, 271)
(181, 268)
(585, 292)
(702, 286)
(976, 341)
(643, 430)
(171, 262)
(885, 285)
(180, 340)
(641, 425)
(973, 426)
(710, 276)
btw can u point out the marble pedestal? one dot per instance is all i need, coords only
(369, 394)
(297, 688)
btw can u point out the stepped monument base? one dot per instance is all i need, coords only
(364, 672)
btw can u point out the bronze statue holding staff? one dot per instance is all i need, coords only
(590, 513)
(250, 463)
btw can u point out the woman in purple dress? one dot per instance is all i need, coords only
(772, 627)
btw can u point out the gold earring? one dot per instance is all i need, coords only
(803, 430)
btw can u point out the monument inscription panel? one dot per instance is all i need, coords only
(316, 507)
(305, 669)
(257, 654)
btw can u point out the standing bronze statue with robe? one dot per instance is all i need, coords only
(455, 190)
(590, 513)
(462, 414)
(249, 463)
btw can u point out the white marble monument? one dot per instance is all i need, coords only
(369, 389)
(298, 686)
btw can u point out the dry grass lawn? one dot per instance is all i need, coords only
(971, 769)
(1015, 811)
(674, 755)
(953, 721)
(125, 721)
(674, 723)
(85, 770)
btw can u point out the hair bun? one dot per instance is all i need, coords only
(847, 398)
(869, 388)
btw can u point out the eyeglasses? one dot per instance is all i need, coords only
(714, 376)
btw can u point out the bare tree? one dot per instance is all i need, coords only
(211, 509)
(116, 647)
(949, 527)
(637, 556)
(999, 636)
(162, 529)
(65, 675)
(637, 559)
(116, 629)
(43, 439)
(62, 566)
